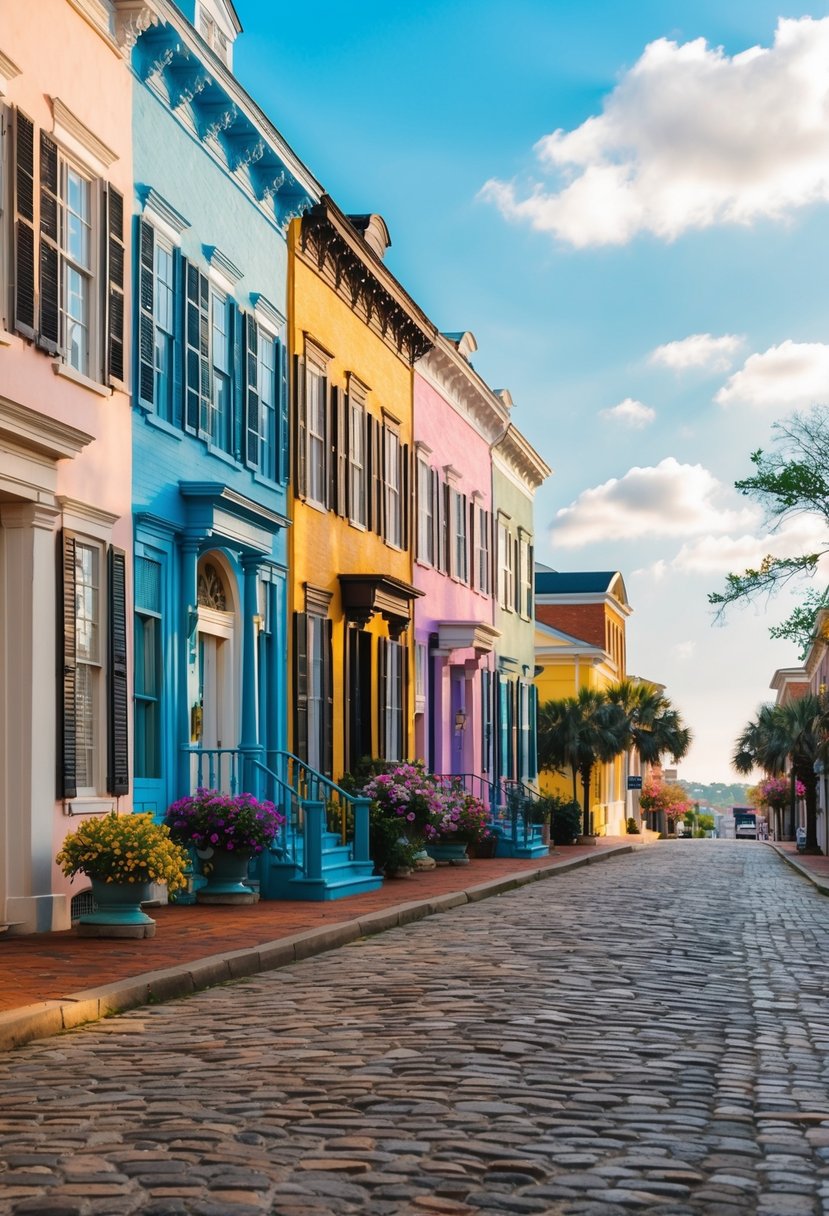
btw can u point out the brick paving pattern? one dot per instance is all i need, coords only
(651, 1034)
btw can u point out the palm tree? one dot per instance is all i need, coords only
(792, 735)
(653, 728)
(580, 732)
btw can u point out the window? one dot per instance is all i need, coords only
(506, 588)
(357, 462)
(316, 386)
(525, 576)
(67, 226)
(163, 325)
(216, 408)
(421, 659)
(460, 555)
(316, 692)
(88, 629)
(392, 488)
(268, 416)
(425, 514)
(313, 693)
(147, 668)
(392, 715)
(482, 570)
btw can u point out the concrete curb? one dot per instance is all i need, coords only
(47, 1018)
(816, 880)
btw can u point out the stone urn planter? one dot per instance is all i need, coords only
(445, 854)
(225, 872)
(118, 912)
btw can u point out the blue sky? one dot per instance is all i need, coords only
(575, 275)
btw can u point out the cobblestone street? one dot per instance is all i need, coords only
(650, 1034)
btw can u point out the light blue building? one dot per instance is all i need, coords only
(215, 188)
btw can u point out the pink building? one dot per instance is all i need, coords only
(64, 441)
(457, 419)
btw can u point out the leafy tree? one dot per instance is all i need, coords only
(792, 735)
(653, 728)
(580, 732)
(664, 797)
(790, 481)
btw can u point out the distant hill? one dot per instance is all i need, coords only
(717, 794)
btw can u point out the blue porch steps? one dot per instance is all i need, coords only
(523, 845)
(281, 877)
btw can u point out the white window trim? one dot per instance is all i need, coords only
(99, 721)
(81, 143)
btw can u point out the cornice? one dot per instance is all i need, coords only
(331, 245)
(454, 378)
(8, 71)
(587, 597)
(519, 454)
(36, 431)
(69, 128)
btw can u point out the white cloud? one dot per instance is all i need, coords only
(668, 499)
(630, 413)
(689, 137)
(698, 350)
(793, 375)
(724, 554)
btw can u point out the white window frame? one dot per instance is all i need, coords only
(525, 575)
(425, 512)
(460, 536)
(316, 689)
(393, 710)
(315, 435)
(506, 578)
(220, 420)
(267, 377)
(392, 489)
(162, 245)
(482, 547)
(357, 471)
(94, 665)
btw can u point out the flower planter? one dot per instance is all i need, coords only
(453, 854)
(119, 911)
(225, 872)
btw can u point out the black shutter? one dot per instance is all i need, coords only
(179, 352)
(252, 406)
(344, 474)
(328, 699)
(48, 337)
(381, 714)
(146, 313)
(115, 285)
(332, 419)
(67, 681)
(405, 718)
(379, 477)
(301, 429)
(118, 773)
(24, 225)
(368, 448)
(283, 438)
(405, 505)
(301, 685)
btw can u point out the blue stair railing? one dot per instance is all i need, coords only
(472, 783)
(311, 803)
(517, 811)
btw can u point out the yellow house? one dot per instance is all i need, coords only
(354, 335)
(580, 642)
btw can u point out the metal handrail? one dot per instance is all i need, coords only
(471, 783)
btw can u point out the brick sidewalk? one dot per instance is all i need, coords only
(815, 868)
(48, 966)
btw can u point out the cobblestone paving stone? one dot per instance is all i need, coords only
(648, 1035)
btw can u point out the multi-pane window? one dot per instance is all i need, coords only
(164, 313)
(357, 462)
(482, 557)
(315, 407)
(425, 514)
(217, 423)
(506, 580)
(392, 717)
(525, 576)
(75, 236)
(88, 658)
(266, 376)
(316, 690)
(460, 554)
(391, 462)
(147, 668)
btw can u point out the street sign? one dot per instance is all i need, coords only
(634, 783)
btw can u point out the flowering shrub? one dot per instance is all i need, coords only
(459, 817)
(210, 820)
(124, 848)
(776, 791)
(663, 796)
(408, 793)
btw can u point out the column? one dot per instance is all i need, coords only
(250, 718)
(187, 636)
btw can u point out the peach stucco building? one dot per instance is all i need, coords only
(64, 442)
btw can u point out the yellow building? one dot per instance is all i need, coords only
(580, 642)
(355, 335)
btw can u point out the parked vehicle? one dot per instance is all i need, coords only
(745, 823)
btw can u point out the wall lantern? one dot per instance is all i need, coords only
(460, 721)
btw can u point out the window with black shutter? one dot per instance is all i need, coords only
(115, 285)
(146, 314)
(118, 776)
(197, 387)
(252, 425)
(300, 680)
(67, 782)
(24, 225)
